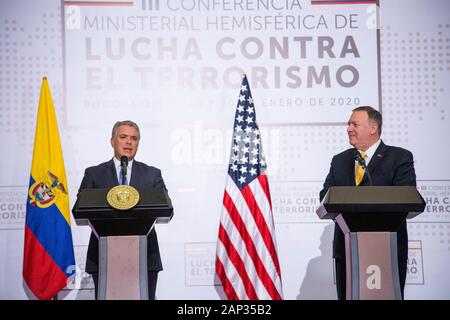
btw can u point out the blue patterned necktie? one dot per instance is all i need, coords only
(124, 178)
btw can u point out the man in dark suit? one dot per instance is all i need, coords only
(125, 141)
(388, 166)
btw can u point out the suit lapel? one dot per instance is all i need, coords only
(350, 170)
(134, 181)
(112, 173)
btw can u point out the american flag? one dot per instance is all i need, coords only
(247, 262)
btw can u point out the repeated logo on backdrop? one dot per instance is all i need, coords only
(12, 207)
(200, 260)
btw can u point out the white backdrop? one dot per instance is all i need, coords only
(174, 66)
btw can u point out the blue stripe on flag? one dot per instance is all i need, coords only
(52, 231)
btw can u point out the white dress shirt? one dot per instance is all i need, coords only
(118, 169)
(371, 151)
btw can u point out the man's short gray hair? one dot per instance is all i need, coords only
(373, 114)
(125, 123)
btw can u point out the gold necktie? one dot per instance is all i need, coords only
(359, 170)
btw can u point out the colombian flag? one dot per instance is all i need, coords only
(48, 259)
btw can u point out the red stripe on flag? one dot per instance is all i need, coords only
(238, 263)
(47, 280)
(261, 224)
(251, 249)
(265, 186)
(227, 286)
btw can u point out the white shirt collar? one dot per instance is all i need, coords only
(129, 168)
(117, 163)
(371, 151)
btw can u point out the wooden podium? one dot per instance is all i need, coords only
(122, 239)
(369, 218)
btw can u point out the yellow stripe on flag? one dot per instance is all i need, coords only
(48, 162)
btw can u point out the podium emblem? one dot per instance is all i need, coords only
(122, 197)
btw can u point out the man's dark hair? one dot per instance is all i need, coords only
(374, 115)
(125, 123)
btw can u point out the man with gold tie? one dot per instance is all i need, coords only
(386, 166)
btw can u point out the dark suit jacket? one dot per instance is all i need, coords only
(105, 176)
(389, 166)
